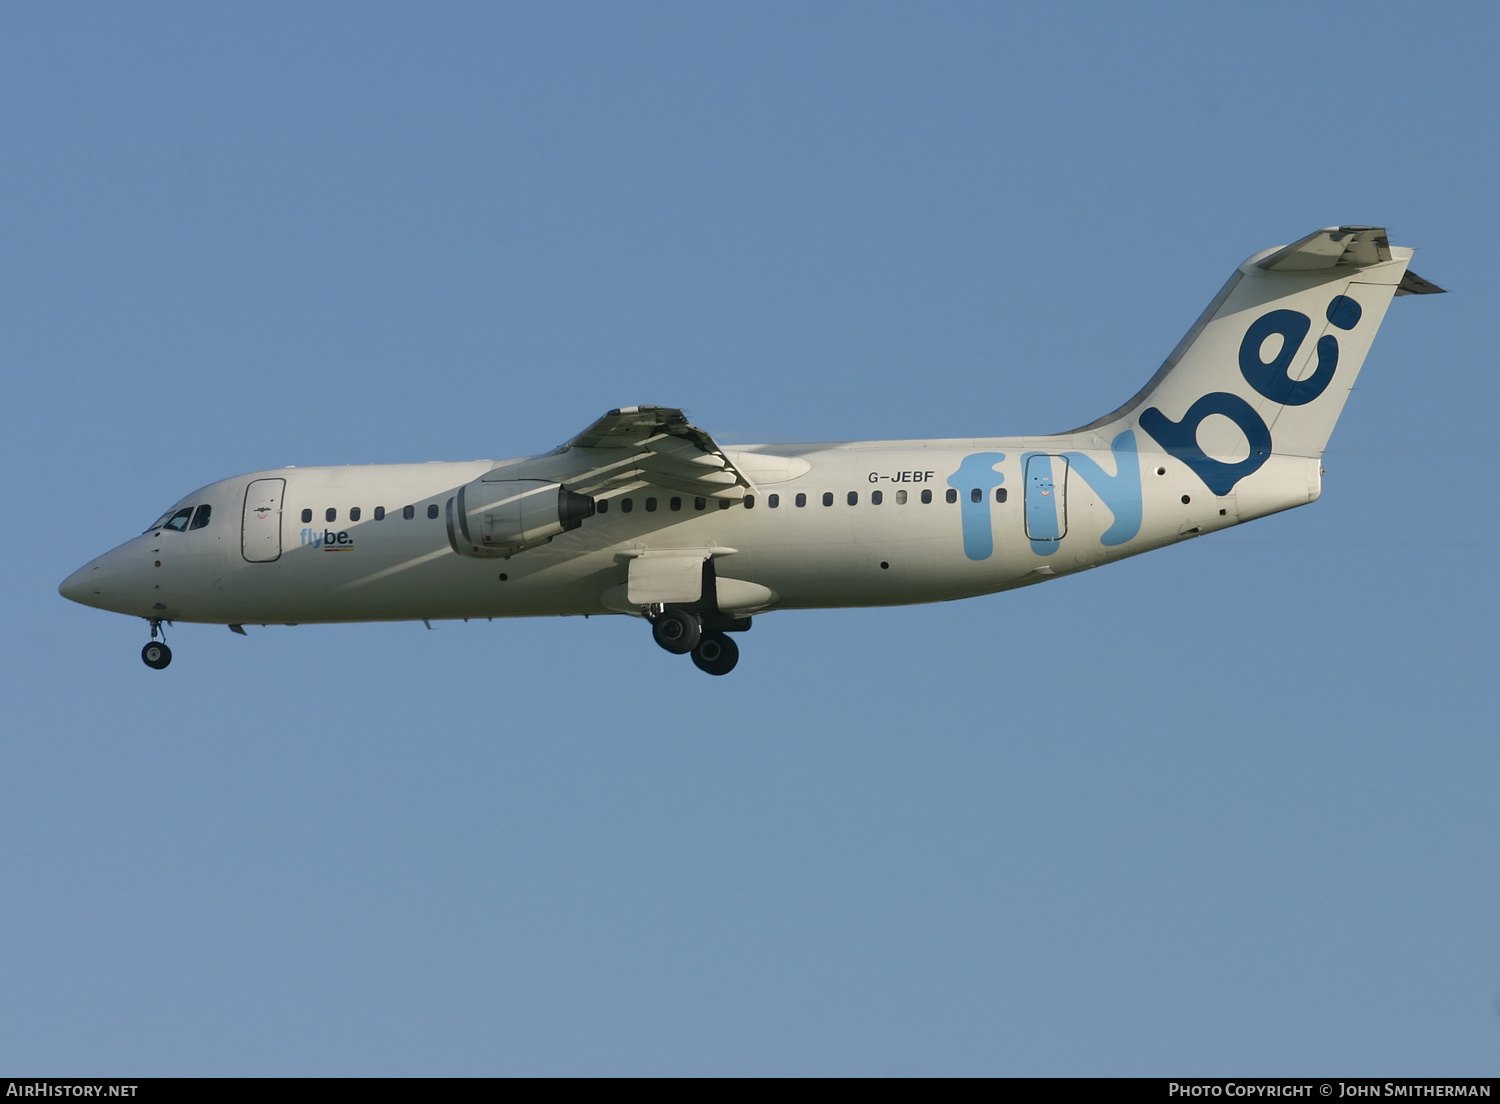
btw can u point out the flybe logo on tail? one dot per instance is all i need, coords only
(1269, 378)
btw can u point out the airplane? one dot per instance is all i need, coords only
(643, 514)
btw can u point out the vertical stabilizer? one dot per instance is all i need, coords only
(1267, 368)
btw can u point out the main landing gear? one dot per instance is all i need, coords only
(716, 654)
(682, 632)
(156, 654)
(677, 631)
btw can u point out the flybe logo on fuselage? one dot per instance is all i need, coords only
(1045, 510)
(1269, 378)
(328, 540)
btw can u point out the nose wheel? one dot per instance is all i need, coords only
(156, 654)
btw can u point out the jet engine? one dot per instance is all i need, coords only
(501, 517)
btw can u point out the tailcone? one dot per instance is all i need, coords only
(1283, 483)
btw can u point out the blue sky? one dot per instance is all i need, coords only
(1227, 808)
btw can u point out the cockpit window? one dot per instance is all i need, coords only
(180, 519)
(200, 518)
(159, 522)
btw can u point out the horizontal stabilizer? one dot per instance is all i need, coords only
(1412, 284)
(1331, 247)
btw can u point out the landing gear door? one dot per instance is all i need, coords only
(260, 539)
(656, 578)
(1046, 497)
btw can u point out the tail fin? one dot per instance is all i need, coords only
(1271, 362)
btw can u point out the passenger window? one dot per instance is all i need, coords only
(827, 498)
(179, 520)
(380, 513)
(408, 512)
(876, 498)
(749, 502)
(674, 502)
(853, 498)
(306, 516)
(432, 511)
(626, 505)
(900, 498)
(926, 497)
(1000, 494)
(354, 513)
(773, 501)
(976, 495)
(801, 500)
(952, 495)
(200, 519)
(700, 503)
(602, 506)
(724, 504)
(650, 505)
(330, 514)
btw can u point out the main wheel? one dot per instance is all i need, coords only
(156, 655)
(677, 631)
(716, 654)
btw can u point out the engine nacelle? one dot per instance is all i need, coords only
(503, 516)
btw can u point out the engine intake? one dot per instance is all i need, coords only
(504, 516)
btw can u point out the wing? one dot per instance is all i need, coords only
(637, 446)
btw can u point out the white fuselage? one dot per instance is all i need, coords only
(898, 550)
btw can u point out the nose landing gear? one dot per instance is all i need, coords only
(156, 654)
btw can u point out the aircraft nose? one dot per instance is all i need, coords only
(83, 586)
(76, 585)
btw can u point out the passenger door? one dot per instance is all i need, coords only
(1046, 497)
(260, 537)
